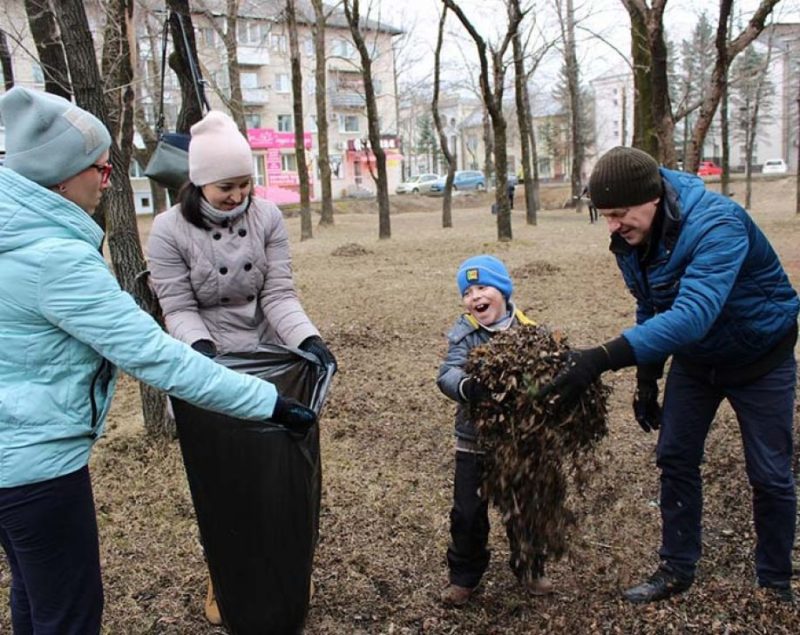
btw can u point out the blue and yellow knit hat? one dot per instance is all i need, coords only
(487, 271)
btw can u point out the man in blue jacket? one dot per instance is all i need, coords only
(710, 292)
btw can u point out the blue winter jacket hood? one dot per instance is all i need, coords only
(65, 324)
(714, 292)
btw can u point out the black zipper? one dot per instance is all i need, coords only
(95, 415)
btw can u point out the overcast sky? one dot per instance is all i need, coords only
(606, 19)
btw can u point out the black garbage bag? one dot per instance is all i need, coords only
(256, 493)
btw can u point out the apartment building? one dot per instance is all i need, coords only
(265, 77)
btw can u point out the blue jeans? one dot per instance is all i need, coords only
(765, 411)
(49, 533)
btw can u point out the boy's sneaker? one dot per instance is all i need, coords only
(664, 583)
(454, 595)
(539, 585)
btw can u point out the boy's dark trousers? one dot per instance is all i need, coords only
(468, 554)
(49, 533)
(765, 410)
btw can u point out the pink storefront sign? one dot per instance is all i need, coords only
(268, 138)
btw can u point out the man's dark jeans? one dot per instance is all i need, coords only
(765, 410)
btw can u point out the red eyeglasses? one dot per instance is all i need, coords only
(105, 171)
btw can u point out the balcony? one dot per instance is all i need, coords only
(252, 55)
(342, 99)
(255, 96)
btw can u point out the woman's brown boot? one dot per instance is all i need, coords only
(212, 610)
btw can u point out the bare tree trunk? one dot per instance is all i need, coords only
(726, 52)
(488, 145)
(229, 39)
(123, 236)
(493, 100)
(574, 90)
(644, 128)
(351, 10)
(299, 125)
(525, 126)
(725, 177)
(191, 110)
(320, 73)
(447, 201)
(797, 171)
(531, 215)
(52, 59)
(5, 62)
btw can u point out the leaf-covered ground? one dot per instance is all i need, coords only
(388, 451)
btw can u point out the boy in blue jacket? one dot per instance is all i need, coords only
(486, 288)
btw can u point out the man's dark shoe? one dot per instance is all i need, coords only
(664, 583)
(779, 593)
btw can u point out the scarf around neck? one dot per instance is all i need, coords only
(218, 217)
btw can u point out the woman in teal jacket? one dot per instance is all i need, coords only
(66, 326)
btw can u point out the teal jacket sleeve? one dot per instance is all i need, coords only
(78, 294)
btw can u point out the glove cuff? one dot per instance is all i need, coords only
(649, 372)
(620, 353)
(461, 386)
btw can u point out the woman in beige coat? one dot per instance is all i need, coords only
(220, 263)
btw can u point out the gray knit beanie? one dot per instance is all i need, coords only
(49, 139)
(624, 177)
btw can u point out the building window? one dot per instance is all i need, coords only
(344, 48)
(252, 120)
(208, 36)
(349, 123)
(285, 123)
(377, 86)
(312, 123)
(248, 80)
(277, 42)
(308, 48)
(251, 32)
(311, 86)
(282, 83)
(259, 177)
(135, 170)
(289, 163)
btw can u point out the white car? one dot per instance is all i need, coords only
(419, 184)
(774, 166)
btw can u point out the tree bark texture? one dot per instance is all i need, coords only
(447, 200)
(351, 10)
(320, 73)
(49, 47)
(299, 125)
(525, 126)
(5, 62)
(191, 110)
(123, 237)
(493, 101)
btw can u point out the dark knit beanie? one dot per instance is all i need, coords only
(624, 177)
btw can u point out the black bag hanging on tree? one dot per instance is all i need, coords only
(256, 493)
(169, 163)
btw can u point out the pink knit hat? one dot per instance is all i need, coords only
(218, 150)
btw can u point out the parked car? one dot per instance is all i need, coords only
(463, 180)
(708, 168)
(417, 184)
(774, 166)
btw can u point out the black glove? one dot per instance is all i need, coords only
(206, 347)
(645, 405)
(645, 399)
(585, 366)
(473, 390)
(294, 415)
(316, 346)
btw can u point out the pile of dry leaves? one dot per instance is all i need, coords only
(538, 451)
